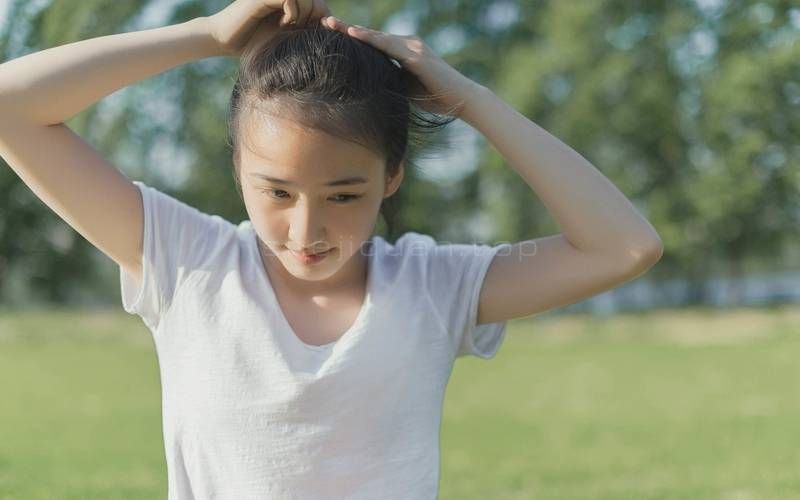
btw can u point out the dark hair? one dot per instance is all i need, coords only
(326, 80)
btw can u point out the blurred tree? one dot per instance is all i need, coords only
(744, 178)
(689, 106)
(42, 259)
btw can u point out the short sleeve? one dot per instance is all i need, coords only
(455, 275)
(175, 237)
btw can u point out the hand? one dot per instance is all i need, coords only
(235, 27)
(434, 85)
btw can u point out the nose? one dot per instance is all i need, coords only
(306, 227)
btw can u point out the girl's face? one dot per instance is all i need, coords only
(307, 191)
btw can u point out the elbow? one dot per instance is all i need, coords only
(645, 254)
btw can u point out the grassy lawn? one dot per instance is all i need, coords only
(694, 404)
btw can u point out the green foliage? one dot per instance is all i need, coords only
(690, 108)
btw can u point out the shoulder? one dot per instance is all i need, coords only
(414, 242)
(425, 248)
(403, 261)
(183, 234)
(411, 249)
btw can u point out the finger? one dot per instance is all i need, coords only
(392, 45)
(290, 12)
(351, 29)
(332, 22)
(367, 34)
(305, 12)
(383, 41)
(318, 11)
(296, 16)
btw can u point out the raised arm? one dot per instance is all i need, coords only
(604, 241)
(51, 86)
(38, 92)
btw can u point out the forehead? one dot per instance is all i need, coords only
(272, 145)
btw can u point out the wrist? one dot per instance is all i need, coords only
(475, 94)
(204, 28)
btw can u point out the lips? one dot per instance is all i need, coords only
(313, 254)
(307, 254)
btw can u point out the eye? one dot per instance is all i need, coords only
(347, 198)
(268, 191)
(340, 198)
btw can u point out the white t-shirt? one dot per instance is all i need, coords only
(252, 412)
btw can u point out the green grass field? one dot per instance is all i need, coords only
(695, 404)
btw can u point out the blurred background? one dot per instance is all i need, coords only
(679, 384)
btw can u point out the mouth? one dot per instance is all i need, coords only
(311, 258)
(310, 254)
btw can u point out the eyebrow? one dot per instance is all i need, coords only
(346, 181)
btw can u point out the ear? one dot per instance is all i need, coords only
(393, 183)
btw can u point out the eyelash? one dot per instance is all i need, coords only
(350, 197)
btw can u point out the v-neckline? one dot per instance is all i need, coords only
(365, 305)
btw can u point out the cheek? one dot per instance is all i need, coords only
(339, 222)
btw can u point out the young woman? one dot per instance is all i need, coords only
(300, 355)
